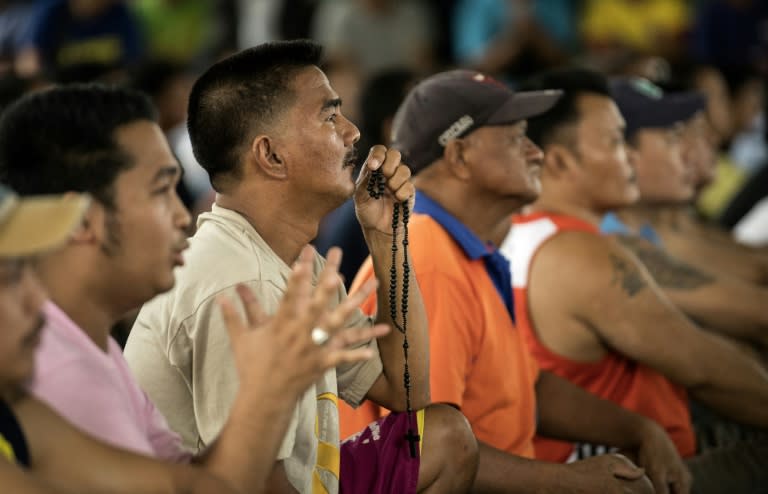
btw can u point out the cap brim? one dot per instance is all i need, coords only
(680, 107)
(524, 105)
(39, 224)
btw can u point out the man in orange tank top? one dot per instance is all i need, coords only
(595, 316)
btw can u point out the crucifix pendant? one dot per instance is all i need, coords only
(413, 439)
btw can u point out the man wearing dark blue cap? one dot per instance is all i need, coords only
(656, 127)
(593, 313)
(464, 135)
(660, 128)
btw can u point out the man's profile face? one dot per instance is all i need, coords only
(698, 152)
(149, 220)
(608, 178)
(316, 141)
(662, 175)
(21, 300)
(504, 162)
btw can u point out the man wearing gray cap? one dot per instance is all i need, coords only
(593, 314)
(464, 135)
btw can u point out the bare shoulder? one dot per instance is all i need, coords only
(575, 250)
(573, 264)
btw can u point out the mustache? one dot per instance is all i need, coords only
(351, 156)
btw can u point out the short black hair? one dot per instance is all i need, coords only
(574, 81)
(240, 96)
(63, 139)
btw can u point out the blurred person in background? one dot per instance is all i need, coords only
(70, 34)
(613, 29)
(730, 34)
(16, 17)
(180, 31)
(375, 35)
(512, 38)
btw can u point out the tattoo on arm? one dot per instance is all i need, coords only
(666, 270)
(626, 276)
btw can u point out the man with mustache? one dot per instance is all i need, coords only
(106, 142)
(590, 311)
(269, 129)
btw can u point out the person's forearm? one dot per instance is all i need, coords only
(734, 384)
(391, 345)
(567, 412)
(245, 451)
(503, 473)
(730, 306)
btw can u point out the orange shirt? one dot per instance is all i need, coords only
(478, 359)
(615, 377)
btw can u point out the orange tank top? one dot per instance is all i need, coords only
(615, 377)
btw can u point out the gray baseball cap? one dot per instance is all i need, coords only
(452, 104)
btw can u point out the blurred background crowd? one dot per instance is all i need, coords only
(376, 49)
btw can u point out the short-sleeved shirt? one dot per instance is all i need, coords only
(179, 350)
(478, 359)
(13, 444)
(96, 391)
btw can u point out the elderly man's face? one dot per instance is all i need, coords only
(504, 162)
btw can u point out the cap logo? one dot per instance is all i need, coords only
(456, 129)
(647, 88)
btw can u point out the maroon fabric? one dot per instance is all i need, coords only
(378, 460)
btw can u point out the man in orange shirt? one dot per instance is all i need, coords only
(590, 310)
(464, 135)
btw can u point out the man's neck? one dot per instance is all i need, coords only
(559, 204)
(82, 300)
(285, 231)
(658, 215)
(489, 221)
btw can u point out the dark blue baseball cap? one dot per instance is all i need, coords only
(645, 105)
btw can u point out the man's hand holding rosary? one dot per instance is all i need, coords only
(384, 198)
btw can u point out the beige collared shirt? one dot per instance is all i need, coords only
(179, 351)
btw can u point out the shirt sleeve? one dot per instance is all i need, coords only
(355, 380)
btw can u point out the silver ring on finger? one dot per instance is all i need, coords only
(319, 336)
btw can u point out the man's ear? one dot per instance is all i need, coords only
(559, 160)
(92, 226)
(265, 157)
(454, 158)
